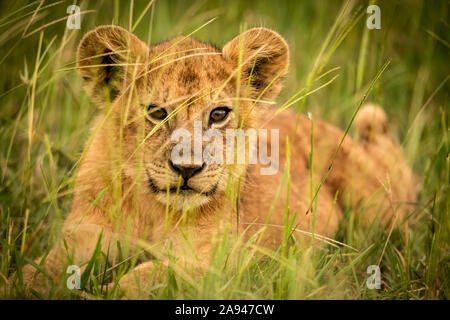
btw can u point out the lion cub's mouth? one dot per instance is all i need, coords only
(184, 189)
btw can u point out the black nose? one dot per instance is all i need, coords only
(186, 171)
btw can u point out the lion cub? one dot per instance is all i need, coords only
(131, 189)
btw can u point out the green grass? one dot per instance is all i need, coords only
(44, 116)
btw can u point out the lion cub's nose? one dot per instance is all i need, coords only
(186, 171)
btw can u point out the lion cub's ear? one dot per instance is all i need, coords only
(264, 51)
(105, 57)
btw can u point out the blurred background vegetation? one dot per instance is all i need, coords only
(44, 117)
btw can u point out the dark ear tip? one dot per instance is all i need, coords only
(268, 44)
(98, 52)
(94, 43)
(100, 34)
(266, 56)
(264, 32)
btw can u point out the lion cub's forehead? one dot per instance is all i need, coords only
(184, 67)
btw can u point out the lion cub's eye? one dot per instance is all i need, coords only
(156, 112)
(219, 114)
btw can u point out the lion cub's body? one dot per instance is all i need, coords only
(121, 186)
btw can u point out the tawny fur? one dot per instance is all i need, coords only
(112, 193)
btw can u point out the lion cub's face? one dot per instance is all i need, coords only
(169, 97)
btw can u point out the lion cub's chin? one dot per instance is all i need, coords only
(185, 200)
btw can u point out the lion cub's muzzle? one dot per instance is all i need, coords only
(185, 172)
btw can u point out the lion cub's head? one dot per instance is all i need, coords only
(154, 97)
